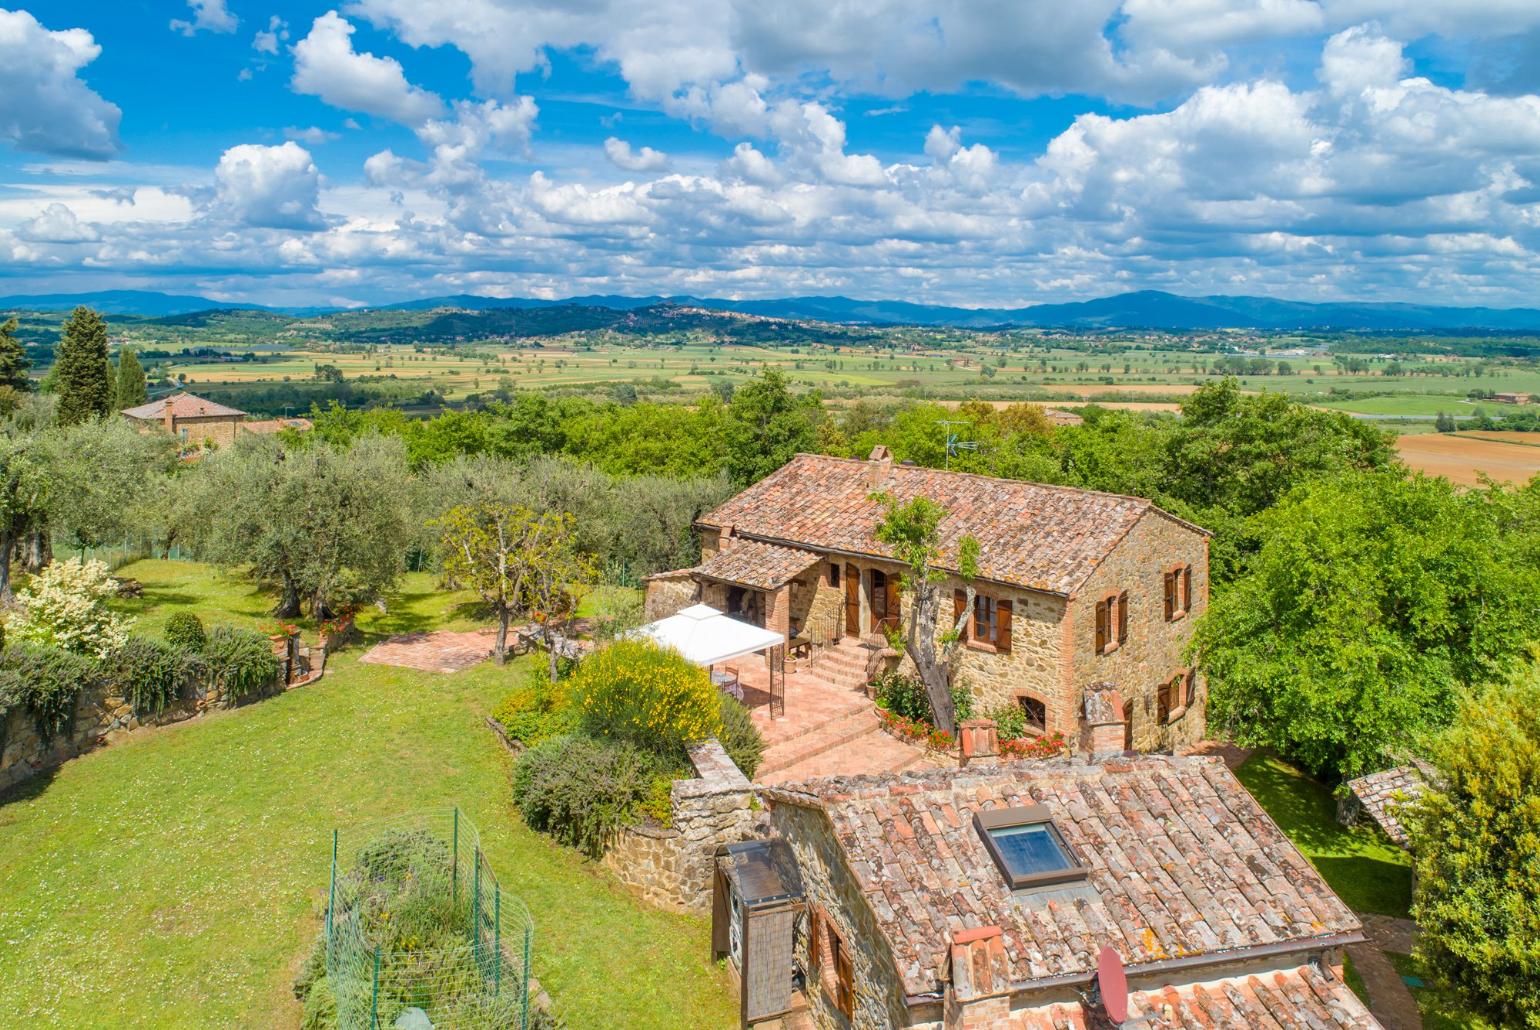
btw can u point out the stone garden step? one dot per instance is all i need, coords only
(820, 739)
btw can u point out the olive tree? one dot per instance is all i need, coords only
(321, 526)
(911, 530)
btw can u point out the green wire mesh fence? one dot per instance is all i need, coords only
(419, 933)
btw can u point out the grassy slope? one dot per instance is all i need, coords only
(1366, 870)
(175, 879)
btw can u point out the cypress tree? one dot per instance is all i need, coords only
(13, 359)
(131, 386)
(81, 368)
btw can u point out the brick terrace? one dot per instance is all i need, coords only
(439, 651)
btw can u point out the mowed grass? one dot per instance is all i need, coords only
(1366, 870)
(176, 878)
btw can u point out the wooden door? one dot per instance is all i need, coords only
(852, 601)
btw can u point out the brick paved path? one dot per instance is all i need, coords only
(439, 651)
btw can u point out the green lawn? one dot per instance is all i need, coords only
(175, 879)
(1365, 869)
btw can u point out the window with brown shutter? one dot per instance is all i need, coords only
(960, 605)
(834, 574)
(1187, 588)
(1163, 703)
(1178, 592)
(830, 959)
(1101, 626)
(1122, 618)
(1170, 587)
(1003, 610)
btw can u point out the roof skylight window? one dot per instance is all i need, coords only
(1027, 847)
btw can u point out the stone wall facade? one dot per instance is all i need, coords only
(671, 866)
(668, 593)
(829, 887)
(1153, 653)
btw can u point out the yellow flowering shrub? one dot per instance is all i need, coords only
(645, 695)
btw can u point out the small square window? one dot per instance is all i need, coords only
(1027, 847)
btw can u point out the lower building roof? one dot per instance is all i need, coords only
(1382, 793)
(1181, 862)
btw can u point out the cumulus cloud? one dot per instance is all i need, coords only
(266, 40)
(644, 159)
(208, 16)
(44, 106)
(270, 187)
(327, 66)
(57, 224)
(314, 135)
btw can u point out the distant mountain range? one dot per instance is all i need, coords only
(1145, 309)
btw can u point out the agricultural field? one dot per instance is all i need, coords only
(1464, 457)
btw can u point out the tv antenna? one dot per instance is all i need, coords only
(954, 443)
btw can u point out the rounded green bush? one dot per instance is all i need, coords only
(637, 692)
(581, 791)
(185, 630)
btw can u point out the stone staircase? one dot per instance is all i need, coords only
(832, 729)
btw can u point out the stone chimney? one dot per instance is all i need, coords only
(167, 418)
(977, 739)
(879, 467)
(978, 992)
(1103, 729)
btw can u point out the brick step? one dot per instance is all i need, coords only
(817, 740)
(872, 752)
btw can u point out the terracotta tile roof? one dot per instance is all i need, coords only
(1382, 793)
(1302, 998)
(1047, 538)
(757, 564)
(1182, 862)
(274, 425)
(183, 405)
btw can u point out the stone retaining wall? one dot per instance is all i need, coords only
(103, 716)
(670, 866)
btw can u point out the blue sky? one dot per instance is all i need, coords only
(969, 152)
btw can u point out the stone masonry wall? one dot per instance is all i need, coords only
(1031, 666)
(671, 866)
(102, 716)
(828, 884)
(668, 593)
(1152, 655)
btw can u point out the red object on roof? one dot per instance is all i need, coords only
(1112, 983)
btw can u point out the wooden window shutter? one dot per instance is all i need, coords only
(960, 605)
(1163, 704)
(1170, 581)
(1122, 617)
(1003, 625)
(1101, 626)
(1187, 588)
(844, 979)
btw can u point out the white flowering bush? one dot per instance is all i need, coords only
(64, 606)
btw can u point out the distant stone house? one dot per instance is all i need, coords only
(1512, 398)
(984, 897)
(1074, 586)
(195, 421)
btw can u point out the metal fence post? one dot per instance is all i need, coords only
(331, 905)
(528, 931)
(454, 861)
(476, 912)
(497, 939)
(374, 1003)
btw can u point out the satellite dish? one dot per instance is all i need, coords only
(1112, 984)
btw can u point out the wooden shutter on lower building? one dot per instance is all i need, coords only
(1003, 625)
(1170, 582)
(960, 605)
(844, 979)
(1101, 626)
(1187, 588)
(1122, 617)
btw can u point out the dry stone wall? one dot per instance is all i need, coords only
(671, 866)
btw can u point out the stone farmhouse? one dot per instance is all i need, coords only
(194, 421)
(1074, 587)
(984, 897)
